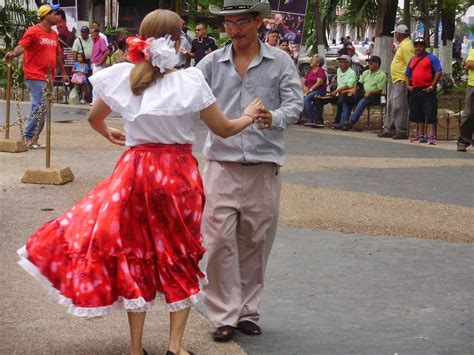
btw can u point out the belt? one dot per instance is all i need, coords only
(251, 164)
(182, 66)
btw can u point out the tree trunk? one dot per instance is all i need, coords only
(436, 28)
(318, 27)
(426, 21)
(406, 14)
(387, 13)
(448, 18)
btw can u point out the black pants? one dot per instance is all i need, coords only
(466, 129)
(319, 107)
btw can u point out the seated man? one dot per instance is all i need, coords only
(372, 83)
(346, 79)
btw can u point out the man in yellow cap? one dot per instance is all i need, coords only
(41, 47)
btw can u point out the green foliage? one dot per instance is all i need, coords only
(309, 34)
(114, 31)
(14, 20)
(360, 13)
(203, 7)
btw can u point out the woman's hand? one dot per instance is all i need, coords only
(262, 116)
(252, 109)
(116, 136)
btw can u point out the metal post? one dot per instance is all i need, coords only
(48, 121)
(7, 101)
(448, 120)
(178, 7)
(459, 116)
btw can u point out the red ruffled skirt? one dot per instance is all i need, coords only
(134, 235)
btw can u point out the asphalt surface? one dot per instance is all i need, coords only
(345, 275)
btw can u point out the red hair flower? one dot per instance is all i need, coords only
(136, 47)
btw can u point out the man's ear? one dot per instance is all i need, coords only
(259, 20)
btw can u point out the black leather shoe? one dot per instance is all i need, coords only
(461, 147)
(400, 136)
(249, 328)
(347, 126)
(224, 333)
(384, 134)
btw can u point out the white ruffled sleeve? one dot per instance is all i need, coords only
(112, 85)
(175, 94)
(203, 92)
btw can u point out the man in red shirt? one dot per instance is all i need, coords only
(421, 77)
(41, 49)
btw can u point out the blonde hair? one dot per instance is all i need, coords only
(156, 24)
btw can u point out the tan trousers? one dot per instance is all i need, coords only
(396, 119)
(239, 225)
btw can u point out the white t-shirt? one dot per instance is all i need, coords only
(184, 45)
(104, 37)
(166, 112)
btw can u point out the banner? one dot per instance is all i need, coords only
(288, 19)
(67, 31)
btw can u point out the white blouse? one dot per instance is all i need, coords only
(166, 112)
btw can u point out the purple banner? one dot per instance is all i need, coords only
(286, 23)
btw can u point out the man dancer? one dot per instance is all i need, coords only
(395, 123)
(41, 46)
(241, 178)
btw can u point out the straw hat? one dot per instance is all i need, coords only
(237, 7)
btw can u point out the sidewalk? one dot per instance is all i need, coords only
(354, 268)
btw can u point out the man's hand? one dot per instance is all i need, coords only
(333, 93)
(410, 88)
(264, 118)
(66, 79)
(9, 56)
(429, 89)
(367, 94)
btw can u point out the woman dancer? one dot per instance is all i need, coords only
(137, 233)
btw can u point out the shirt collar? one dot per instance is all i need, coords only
(264, 52)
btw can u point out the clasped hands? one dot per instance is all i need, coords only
(260, 114)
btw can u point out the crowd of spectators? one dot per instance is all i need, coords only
(414, 75)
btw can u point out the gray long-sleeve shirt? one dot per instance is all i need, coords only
(273, 78)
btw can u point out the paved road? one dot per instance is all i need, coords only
(327, 292)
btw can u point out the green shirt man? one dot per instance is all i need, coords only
(83, 44)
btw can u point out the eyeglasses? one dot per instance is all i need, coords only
(199, 29)
(237, 24)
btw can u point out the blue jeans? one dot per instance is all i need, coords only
(359, 109)
(308, 105)
(34, 87)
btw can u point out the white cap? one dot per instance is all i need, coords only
(402, 29)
